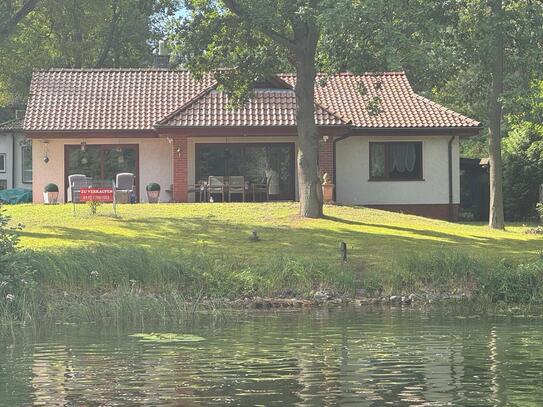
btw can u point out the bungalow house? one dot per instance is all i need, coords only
(15, 156)
(166, 127)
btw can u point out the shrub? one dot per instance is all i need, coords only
(17, 283)
(50, 188)
(438, 270)
(523, 170)
(153, 186)
(522, 284)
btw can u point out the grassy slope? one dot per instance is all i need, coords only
(375, 238)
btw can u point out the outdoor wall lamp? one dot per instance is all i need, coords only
(178, 150)
(45, 155)
(83, 145)
(325, 138)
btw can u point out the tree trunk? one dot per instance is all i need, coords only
(309, 183)
(496, 218)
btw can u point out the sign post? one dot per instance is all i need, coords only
(97, 192)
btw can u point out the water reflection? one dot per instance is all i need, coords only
(337, 357)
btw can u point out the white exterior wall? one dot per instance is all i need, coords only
(192, 141)
(20, 140)
(155, 164)
(6, 147)
(353, 173)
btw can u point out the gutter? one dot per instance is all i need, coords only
(451, 204)
(12, 160)
(342, 137)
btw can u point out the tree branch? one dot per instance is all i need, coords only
(274, 35)
(111, 34)
(7, 27)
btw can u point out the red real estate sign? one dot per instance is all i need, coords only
(96, 195)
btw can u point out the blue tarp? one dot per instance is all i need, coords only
(15, 196)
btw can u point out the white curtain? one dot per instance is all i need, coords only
(403, 157)
(377, 160)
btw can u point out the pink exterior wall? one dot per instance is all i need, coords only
(155, 161)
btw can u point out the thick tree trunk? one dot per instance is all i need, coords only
(310, 188)
(496, 218)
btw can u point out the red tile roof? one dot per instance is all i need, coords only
(107, 99)
(270, 107)
(13, 125)
(140, 99)
(399, 105)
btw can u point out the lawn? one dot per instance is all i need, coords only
(374, 238)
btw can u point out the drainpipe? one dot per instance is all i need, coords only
(12, 160)
(451, 205)
(342, 137)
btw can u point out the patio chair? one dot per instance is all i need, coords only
(263, 188)
(75, 183)
(198, 188)
(215, 185)
(236, 185)
(124, 184)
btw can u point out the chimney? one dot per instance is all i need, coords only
(162, 59)
(19, 114)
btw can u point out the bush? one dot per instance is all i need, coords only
(522, 284)
(17, 284)
(523, 170)
(50, 188)
(441, 270)
(153, 186)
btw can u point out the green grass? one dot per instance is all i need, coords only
(375, 238)
(152, 259)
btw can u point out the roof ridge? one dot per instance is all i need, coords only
(112, 70)
(446, 109)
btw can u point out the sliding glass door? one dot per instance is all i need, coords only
(257, 162)
(103, 161)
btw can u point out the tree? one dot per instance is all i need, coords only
(255, 39)
(10, 17)
(475, 56)
(79, 34)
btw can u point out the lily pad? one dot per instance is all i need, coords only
(167, 337)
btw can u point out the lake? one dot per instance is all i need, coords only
(330, 357)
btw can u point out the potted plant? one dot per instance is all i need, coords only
(327, 189)
(50, 193)
(153, 192)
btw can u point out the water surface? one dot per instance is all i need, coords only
(345, 357)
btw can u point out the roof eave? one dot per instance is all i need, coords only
(94, 133)
(461, 131)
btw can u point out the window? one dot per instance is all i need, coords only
(396, 161)
(26, 160)
(255, 161)
(3, 184)
(2, 162)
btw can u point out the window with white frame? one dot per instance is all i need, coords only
(26, 161)
(395, 161)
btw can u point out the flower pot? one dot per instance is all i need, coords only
(152, 196)
(328, 193)
(50, 197)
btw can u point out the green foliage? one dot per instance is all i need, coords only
(50, 188)
(522, 284)
(80, 34)
(442, 270)
(523, 160)
(153, 186)
(93, 206)
(17, 285)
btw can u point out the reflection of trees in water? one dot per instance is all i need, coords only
(322, 357)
